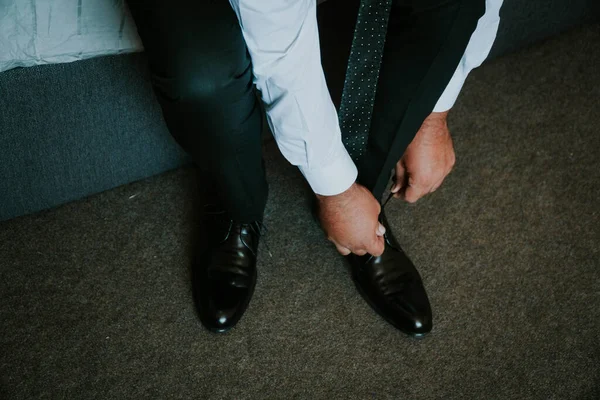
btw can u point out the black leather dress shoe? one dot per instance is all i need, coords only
(224, 274)
(392, 286)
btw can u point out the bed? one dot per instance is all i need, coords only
(71, 129)
(40, 32)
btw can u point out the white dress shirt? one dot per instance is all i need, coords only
(283, 40)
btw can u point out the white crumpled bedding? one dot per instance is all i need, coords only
(34, 32)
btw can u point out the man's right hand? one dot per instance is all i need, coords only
(350, 220)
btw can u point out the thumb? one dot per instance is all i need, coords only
(400, 178)
(342, 250)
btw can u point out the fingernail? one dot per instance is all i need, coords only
(381, 229)
(395, 188)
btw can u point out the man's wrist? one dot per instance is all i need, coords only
(437, 116)
(340, 196)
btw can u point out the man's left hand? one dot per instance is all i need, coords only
(427, 160)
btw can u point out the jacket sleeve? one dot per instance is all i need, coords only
(477, 50)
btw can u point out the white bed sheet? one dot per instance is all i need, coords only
(34, 32)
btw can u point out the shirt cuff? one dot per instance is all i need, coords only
(448, 98)
(335, 177)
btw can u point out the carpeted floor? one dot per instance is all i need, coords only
(96, 301)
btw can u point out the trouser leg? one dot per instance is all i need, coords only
(425, 42)
(202, 78)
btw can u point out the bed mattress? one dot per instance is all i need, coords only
(34, 32)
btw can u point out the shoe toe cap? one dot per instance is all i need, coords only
(419, 312)
(221, 321)
(420, 324)
(410, 311)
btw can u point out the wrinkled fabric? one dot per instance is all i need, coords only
(34, 32)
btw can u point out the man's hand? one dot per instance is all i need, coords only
(427, 160)
(350, 220)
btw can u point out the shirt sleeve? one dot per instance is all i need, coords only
(283, 41)
(477, 50)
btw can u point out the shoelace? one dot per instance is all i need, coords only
(261, 230)
(258, 227)
(398, 282)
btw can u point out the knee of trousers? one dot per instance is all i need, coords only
(209, 105)
(215, 86)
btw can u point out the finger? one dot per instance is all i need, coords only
(342, 250)
(400, 178)
(376, 247)
(380, 230)
(360, 252)
(442, 179)
(437, 185)
(402, 193)
(414, 192)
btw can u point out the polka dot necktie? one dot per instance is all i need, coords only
(362, 74)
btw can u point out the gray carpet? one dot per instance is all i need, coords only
(96, 302)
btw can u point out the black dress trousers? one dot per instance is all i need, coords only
(202, 77)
